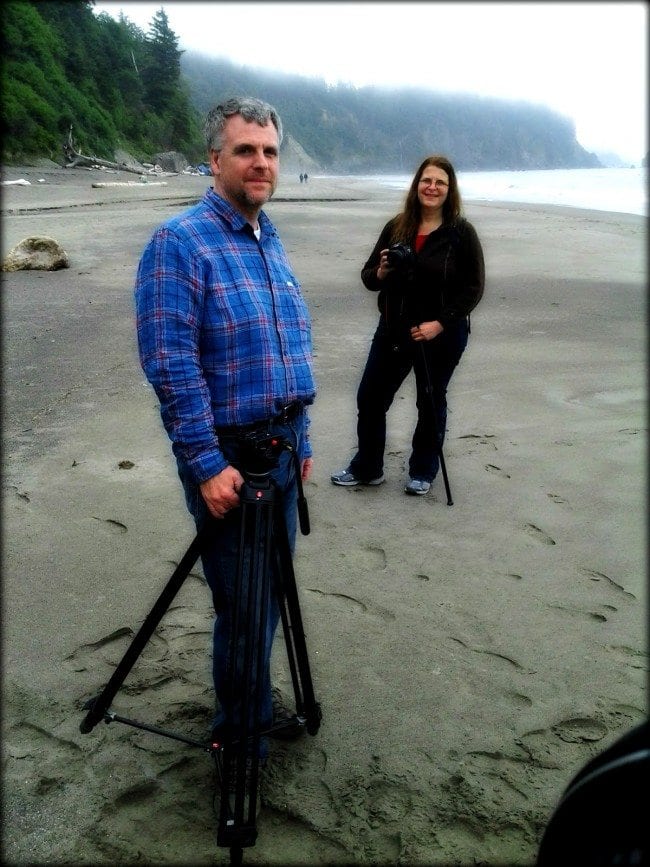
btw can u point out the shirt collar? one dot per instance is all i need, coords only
(232, 216)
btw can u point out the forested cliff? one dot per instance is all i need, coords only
(370, 129)
(117, 87)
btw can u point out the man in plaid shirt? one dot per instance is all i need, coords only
(224, 337)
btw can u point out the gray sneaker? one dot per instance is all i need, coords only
(417, 487)
(347, 479)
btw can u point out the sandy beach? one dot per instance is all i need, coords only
(469, 659)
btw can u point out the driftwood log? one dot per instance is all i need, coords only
(74, 159)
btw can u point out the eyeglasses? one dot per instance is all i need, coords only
(439, 185)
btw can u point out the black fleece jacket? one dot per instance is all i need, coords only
(445, 283)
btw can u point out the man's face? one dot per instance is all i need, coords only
(246, 169)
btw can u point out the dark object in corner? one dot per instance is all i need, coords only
(602, 817)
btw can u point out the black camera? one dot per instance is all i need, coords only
(400, 256)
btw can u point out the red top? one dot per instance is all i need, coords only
(419, 240)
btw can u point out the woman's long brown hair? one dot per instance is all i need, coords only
(405, 225)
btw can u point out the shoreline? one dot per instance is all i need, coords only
(468, 660)
(329, 188)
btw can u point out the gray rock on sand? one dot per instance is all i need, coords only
(171, 161)
(36, 254)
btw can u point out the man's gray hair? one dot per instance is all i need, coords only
(250, 108)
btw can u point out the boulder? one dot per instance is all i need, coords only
(124, 158)
(36, 254)
(171, 161)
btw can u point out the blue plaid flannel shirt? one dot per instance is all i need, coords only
(224, 333)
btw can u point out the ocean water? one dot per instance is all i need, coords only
(619, 190)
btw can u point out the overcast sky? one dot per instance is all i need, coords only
(587, 61)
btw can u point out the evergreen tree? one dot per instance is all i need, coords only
(162, 64)
(63, 66)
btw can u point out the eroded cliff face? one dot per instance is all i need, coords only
(294, 158)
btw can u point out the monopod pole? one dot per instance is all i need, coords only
(437, 433)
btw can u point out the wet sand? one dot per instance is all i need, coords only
(469, 659)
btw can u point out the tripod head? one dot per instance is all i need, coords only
(260, 453)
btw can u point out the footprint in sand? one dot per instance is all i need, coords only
(600, 576)
(378, 800)
(631, 656)
(579, 729)
(115, 526)
(196, 575)
(592, 615)
(349, 603)
(377, 555)
(519, 699)
(481, 439)
(111, 648)
(497, 471)
(23, 495)
(539, 535)
(486, 652)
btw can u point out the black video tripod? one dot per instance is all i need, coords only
(264, 544)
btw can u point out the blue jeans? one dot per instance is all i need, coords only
(391, 358)
(220, 565)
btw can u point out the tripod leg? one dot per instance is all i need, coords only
(98, 706)
(247, 664)
(294, 633)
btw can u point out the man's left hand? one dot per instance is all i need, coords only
(306, 468)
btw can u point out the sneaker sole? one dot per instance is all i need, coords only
(415, 493)
(372, 484)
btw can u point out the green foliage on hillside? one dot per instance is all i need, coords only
(63, 66)
(117, 87)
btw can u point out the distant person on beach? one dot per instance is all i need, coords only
(428, 269)
(301, 177)
(224, 337)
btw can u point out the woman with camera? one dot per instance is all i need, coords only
(428, 269)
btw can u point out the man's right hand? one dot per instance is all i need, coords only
(221, 492)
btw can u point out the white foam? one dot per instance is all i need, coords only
(618, 190)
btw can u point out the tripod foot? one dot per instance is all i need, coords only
(288, 730)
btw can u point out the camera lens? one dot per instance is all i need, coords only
(399, 255)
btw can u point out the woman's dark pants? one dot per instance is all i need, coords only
(390, 360)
